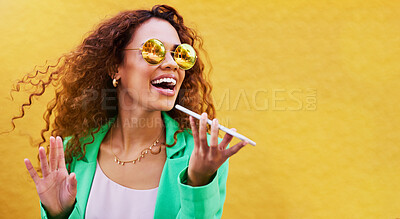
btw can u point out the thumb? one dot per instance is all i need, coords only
(71, 184)
(233, 150)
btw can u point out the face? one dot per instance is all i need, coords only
(145, 86)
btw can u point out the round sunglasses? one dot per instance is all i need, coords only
(153, 52)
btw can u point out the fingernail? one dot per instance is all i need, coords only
(51, 137)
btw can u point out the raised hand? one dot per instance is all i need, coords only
(57, 188)
(205, 159)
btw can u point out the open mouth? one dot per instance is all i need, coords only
(164, 84)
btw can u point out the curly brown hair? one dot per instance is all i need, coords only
(87, 70)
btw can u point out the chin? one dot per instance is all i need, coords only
(165, 105)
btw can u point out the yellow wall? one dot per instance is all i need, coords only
(314, 83)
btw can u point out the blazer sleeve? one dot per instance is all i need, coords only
(204, 201)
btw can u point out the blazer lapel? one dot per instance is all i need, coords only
(168, 198)
(168, 192)
(171, 127)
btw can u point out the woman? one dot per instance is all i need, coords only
(138, 157)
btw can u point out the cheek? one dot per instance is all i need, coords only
(182, 74)
(136, 73)
(138, 80)
(132, 64)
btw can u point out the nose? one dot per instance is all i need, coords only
(169, 62)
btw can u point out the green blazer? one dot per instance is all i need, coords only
(175, 199)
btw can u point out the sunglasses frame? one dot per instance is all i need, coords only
(166, 51)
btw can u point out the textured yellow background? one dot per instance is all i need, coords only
(314, 83)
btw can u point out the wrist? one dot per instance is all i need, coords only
(195, 180)
(63, 214)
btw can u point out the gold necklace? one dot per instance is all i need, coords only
(151, 148)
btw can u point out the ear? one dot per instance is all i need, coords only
(117, 75)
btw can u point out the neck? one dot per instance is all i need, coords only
(136, 129)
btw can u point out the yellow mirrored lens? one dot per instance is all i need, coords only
(153, 51)
(185, 56)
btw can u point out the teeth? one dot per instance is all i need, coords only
(167, 80)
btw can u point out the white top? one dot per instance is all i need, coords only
(109, 199)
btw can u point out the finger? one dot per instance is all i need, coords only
(53, 154)
(233, 150)
(226, 140)
(31, 171)
(60, 153)
(43, 162)
(203, 132)
(195, 131)
(214, 133)
(214, 136)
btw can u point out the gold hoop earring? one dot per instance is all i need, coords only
(115, 82)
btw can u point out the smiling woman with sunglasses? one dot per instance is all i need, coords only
(136, 157)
